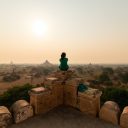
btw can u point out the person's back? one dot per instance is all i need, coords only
(63, 62)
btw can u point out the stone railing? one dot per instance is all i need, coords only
(20, 111)
(54, 94)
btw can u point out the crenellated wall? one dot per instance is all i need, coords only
(63, 90)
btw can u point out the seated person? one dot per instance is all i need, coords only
(63, 62)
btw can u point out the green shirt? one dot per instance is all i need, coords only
(63, 64)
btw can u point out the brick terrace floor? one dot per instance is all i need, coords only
(63, 117)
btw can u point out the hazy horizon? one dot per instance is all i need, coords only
(28, 63)
(89, 31)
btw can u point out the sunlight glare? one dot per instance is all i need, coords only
(39, 28)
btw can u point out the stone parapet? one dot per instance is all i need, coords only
(110, 112)
(41, 99)
(21, 110)
(124, 118)
(5, 117)
(89, 101)
(56, 93)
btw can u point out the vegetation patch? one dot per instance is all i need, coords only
(124, 77)
(14, 94)
(119, 95)
(11, 77)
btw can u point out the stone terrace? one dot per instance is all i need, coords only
(63, 117)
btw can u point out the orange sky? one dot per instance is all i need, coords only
(94, 31)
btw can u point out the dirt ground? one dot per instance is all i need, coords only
(63, 117)
(4, 86)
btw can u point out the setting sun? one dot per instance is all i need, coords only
(39, 28)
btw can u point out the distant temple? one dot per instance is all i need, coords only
(47, 63)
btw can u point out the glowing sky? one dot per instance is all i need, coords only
(95, 31)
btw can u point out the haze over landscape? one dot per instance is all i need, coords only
(63, 61)
(89, 31)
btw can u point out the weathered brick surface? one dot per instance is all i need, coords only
(70, 95)
(110, 112)
(124, 118)
(21, 110)
(89, 101)
(41, 100)
(5, 117)
(65, 93)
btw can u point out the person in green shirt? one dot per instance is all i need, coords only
(63, 62)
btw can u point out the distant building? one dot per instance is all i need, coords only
(47, 64)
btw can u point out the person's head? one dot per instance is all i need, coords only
(63, 55)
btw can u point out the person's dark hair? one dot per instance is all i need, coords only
(63, 55)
